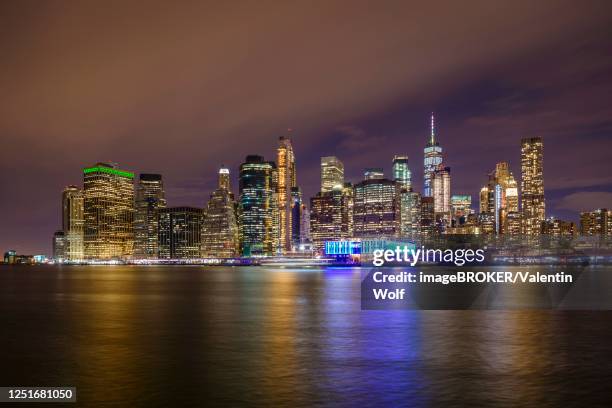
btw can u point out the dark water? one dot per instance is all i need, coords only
(189, 336)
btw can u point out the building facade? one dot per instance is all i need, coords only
(410, 214)
(332, 173)
(532, 185)
(150, 198)
(500, 196)
(108, 195)
(461, 208)
(376, 207)
(258, 207)
(73, 223)
(556, 227)
(180, 230)
(401, 173)
(286, 181)
(441, 193)
(59, 246)
(428, 217)
(219, 221)
(305, 226)
(331, 216)
(297, 208)
(596, 222)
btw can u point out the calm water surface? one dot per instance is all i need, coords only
(186, 336)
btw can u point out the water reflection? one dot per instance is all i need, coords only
(233, 336)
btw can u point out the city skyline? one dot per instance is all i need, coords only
(377, 206)
(372, 173)
(364, 105)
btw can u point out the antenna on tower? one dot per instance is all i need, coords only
(432, 129)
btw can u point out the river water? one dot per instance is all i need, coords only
(190, 335)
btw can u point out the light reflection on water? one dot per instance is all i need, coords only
(185, 335)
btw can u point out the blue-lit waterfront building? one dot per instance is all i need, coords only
(351, 251)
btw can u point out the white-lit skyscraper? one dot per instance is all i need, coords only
(401, 173)
(441, 192)
(332, 173)
(432, 159)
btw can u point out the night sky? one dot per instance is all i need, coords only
(181, 89)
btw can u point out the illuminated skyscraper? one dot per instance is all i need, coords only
(410, 214)
(180, 230)
(500, 197)
(596, 222)
(286, 181)
(484, 199)
(224, 179)
(331, 216)
(59, 247)
(374, 173)
(461, 208)
(513, 223)
(555, 227)
(506, 179)
(401, 173)
(73, 223)
(486, 223)
(332, 173)
(441, 193)
(532, 185)
(348, 208)
(428, 218)
(150, 197)
(219, 221)
(305, 225)
(376, 207)
(109, 212)
(258, 207)
(296, 217)
(433, 158)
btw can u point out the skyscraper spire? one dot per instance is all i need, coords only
(433, 133)
(433, 157)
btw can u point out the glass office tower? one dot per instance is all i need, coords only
(258, 207)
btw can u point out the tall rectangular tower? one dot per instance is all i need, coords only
(73, 223)
(332, 173)
(180, 231)
(150, 198)
(286, 181)
(441, 193)
(532, 185)
(109, 212)
(257, 206)
(401, 173)
(219, 223)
